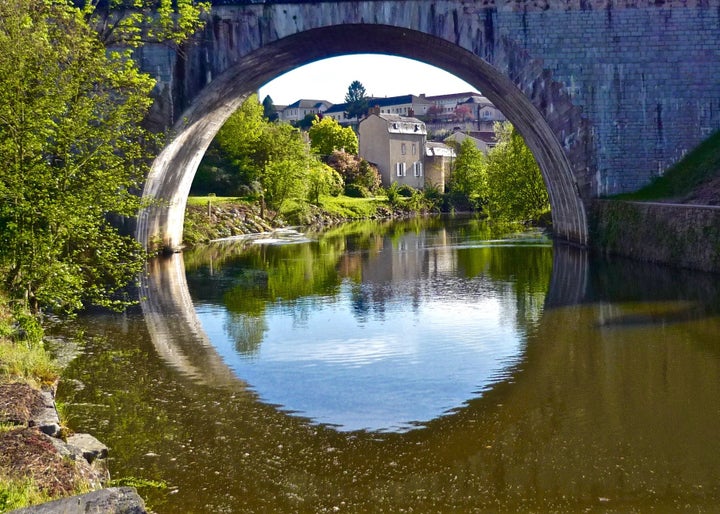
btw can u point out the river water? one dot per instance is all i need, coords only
(434, 365)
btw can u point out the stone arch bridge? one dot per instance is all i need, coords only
(607, 93)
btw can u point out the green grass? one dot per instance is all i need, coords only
(695, 168)
(216, 200)
(23, 358)
(16, 493)
(348, 207)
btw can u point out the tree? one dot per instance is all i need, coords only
(269, 110)
(468, 180)
(70, 133)
(515, 187)
(434, 112)
(132, 23)
(326, 136)
(239, 139)
(359, 176)
(462, 113)
(356, 100)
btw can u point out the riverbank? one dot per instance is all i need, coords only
(40, 460)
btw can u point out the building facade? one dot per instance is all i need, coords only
(396, 145)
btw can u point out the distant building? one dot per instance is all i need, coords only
(484, 141)
(439, 161)
(298, 110)
(396, 145)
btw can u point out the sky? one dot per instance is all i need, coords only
(381, 75)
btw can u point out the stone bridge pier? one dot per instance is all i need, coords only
(607, 94)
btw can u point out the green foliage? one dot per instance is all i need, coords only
(358, 174)
(392, 192)
(356, 100)
(468, 185)
(239, 139)
(323, 180)
(70, 114)
(515, 187)
(133, 23)
(16, 493)
(326, 136)
(269, 110)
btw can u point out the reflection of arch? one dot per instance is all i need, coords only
(174, 327)
(179, 338)
(173, 171)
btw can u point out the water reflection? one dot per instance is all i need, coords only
(377, 326)
(613, 405)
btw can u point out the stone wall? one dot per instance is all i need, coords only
(685, 236)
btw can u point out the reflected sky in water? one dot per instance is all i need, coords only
(408, 336)
(419, 360)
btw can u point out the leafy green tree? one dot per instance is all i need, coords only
(70, 133)
(133, 23)
(239, 140)
(356, 100)
(326, 136)
(359, 176)
(468, 180)
(515, 187)
(322, 180)
(269, 110)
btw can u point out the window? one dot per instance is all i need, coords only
(417, 169)
(400, 169)
(414, 149)
(403, 149)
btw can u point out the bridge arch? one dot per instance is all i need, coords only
(527, 96)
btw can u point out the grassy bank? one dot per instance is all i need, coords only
(694, 179)
(211, 217)
(25, 367)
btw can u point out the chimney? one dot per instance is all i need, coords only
(375, 110)
(411, 112)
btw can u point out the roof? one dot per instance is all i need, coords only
(452, 96)
(396, 100)
(402, 124)
(435, 149)
(308, 104)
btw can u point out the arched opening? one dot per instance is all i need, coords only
(172, 173)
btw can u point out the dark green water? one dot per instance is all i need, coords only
(424, 366)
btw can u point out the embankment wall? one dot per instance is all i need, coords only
(681, 235)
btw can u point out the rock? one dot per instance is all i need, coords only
(90, 447)
(114, 500)
(46, 418)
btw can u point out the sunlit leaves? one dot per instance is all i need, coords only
(70, 142)
(132, 23)
(326, 136)
(516, 190)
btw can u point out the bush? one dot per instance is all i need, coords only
(356, 191)
(406, 191)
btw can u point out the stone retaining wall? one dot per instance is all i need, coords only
(680, 235)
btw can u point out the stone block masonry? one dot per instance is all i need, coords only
(686, 236)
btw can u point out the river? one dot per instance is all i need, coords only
(429, 365)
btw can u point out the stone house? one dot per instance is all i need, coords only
(297, 111)
(483, 141)
(439, 162)
(396, 145)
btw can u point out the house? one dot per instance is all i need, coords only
(297, 111)
(484, 141)
(404, 105)
(439, 161)
(396, 145)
